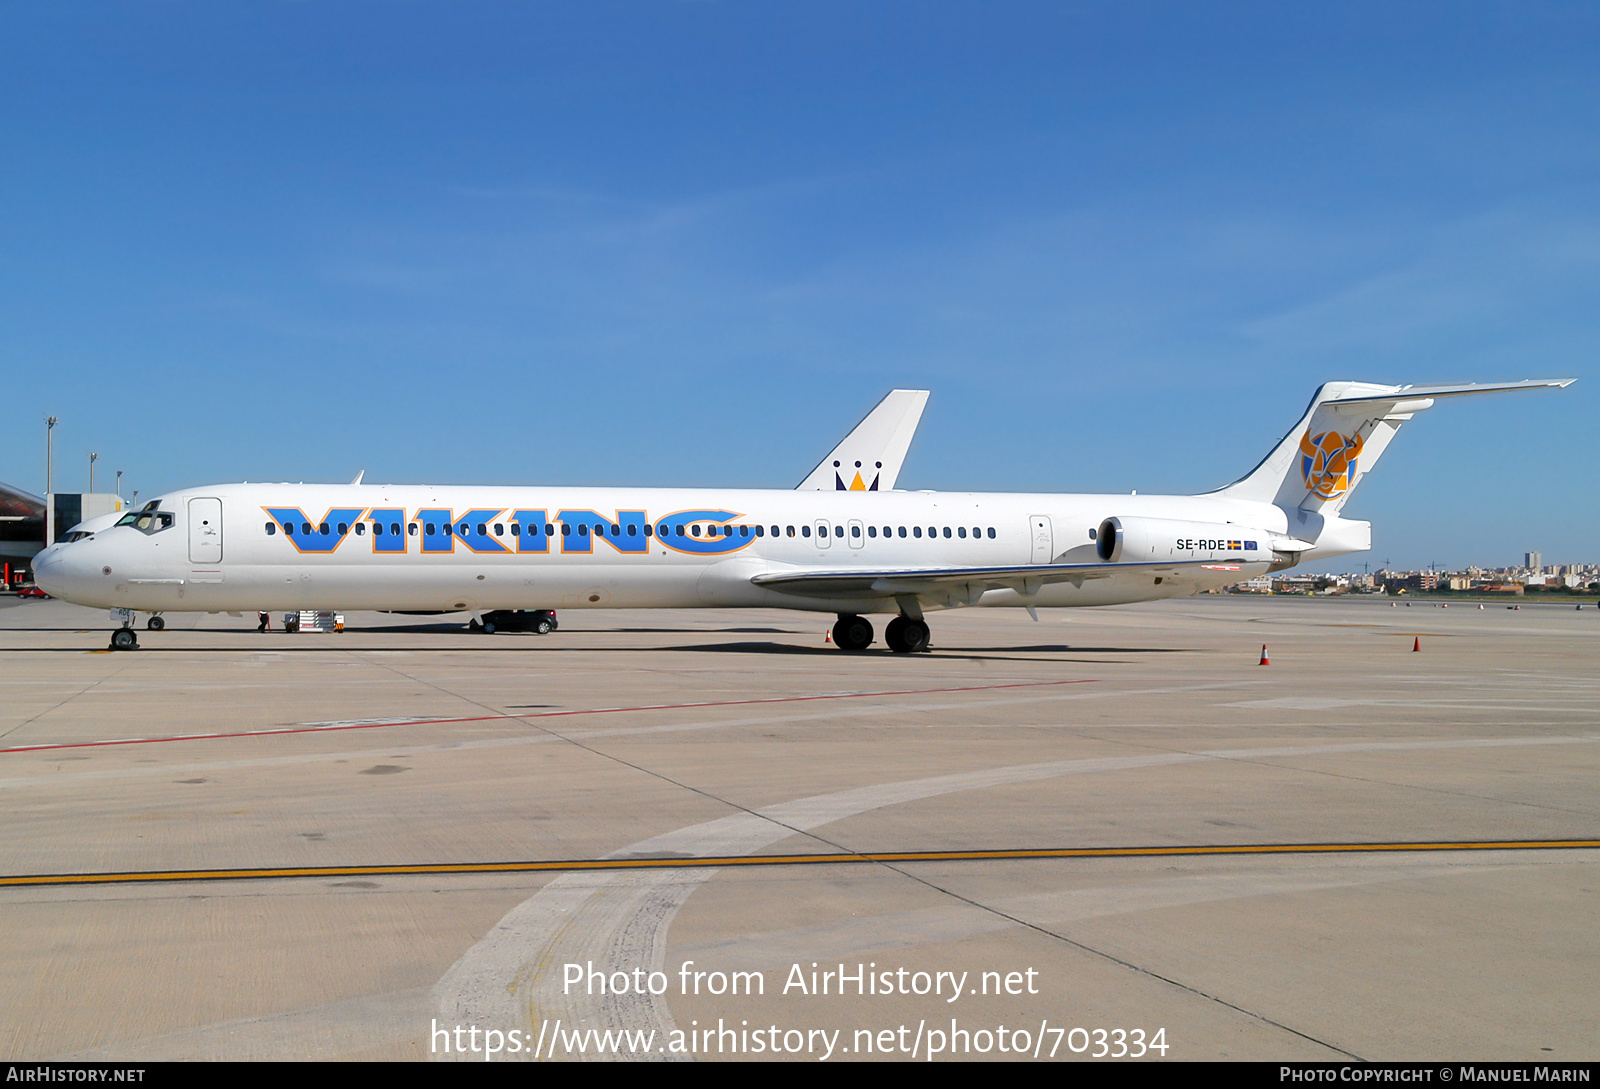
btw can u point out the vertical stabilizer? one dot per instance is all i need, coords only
(1340, 438)
(870, 457)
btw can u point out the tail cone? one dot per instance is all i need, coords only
(1264, 659)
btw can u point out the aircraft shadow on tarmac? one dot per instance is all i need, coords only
(729, 631)
(1010, 654)
(519, 642)
(461, 629)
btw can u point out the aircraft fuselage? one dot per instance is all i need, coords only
(273, 546)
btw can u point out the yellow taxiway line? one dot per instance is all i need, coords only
(830, 859)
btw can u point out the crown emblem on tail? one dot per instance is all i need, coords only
(858, 484)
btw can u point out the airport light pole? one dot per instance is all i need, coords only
(49, 426)
(119, 484)
(49, 500)
(93, 457)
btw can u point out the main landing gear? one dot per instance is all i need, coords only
(906, 636)
(852, 632)
(903, 634)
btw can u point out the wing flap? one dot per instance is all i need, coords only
(1025, 579)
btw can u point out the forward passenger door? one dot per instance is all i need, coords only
(205, 531)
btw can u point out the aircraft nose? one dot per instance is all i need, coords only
(64, 572)
(46, 569)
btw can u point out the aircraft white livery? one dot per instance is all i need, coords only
(845, 542)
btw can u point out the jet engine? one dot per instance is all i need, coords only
(1156, 540)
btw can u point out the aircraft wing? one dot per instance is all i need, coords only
(1025, 579)
(869, 458)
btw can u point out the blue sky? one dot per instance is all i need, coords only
(691, 243)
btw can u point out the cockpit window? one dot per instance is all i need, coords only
(147, 521)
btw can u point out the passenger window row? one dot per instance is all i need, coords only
(601, 529)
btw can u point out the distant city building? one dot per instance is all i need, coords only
(1510, 581)
(1417, 581)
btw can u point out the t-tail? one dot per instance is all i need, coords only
(1312, 472)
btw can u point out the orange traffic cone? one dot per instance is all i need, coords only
(828, 638)
(1416, 644)
(1264, 659)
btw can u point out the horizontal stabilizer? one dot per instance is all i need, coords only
(1416, 393)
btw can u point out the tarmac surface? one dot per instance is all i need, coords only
(235, 845)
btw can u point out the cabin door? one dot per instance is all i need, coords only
(1043, 542)
(205, 531)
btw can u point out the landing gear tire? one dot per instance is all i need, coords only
(906, 636)
(852, 633)
(155, 623)
(124, 639)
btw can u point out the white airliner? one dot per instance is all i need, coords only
(857, 549)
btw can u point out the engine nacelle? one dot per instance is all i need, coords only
(1157, 540)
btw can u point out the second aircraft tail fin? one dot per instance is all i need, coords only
(870, 457)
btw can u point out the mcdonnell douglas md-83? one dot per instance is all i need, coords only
(844, 542)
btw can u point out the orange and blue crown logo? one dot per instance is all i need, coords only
(858, 484)
(1328, 462)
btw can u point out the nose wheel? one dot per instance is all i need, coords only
(906, 636)
(155, 623)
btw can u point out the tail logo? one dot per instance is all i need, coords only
(1328, 462)
(858, 484)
